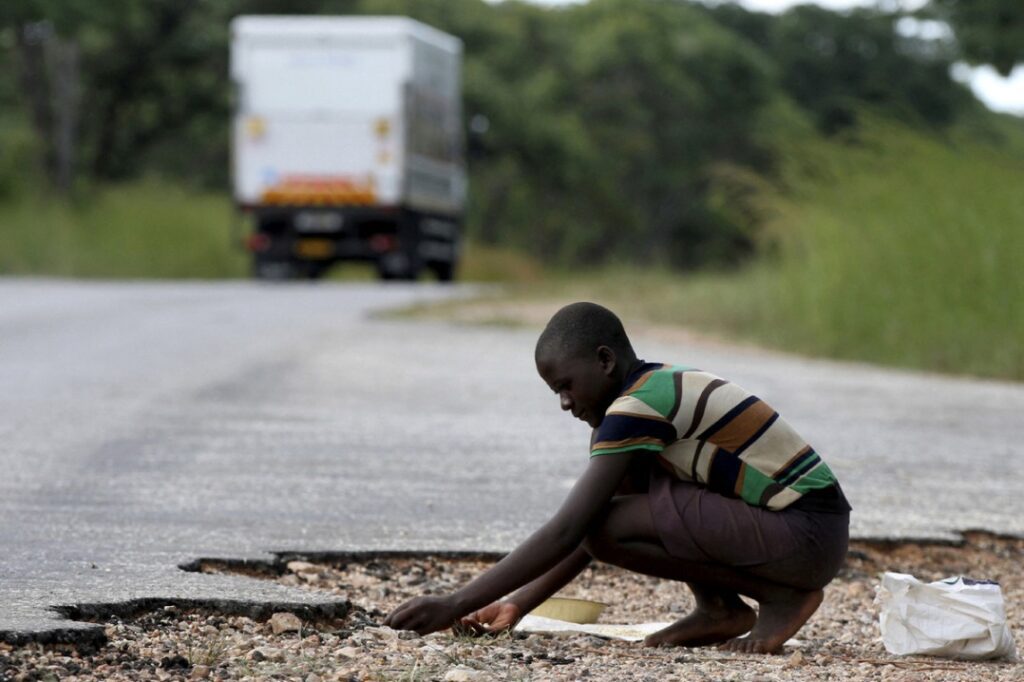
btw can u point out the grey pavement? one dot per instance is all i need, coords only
(145, 425)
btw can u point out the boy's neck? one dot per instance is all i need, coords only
(631, 367)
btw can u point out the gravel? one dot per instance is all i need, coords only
(840, 642)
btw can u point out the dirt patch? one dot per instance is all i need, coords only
(534, 314)
(840, 642)
(485, 310)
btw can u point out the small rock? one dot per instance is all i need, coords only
(383, 633)
(285, 622)
(463, 674)
(267, 653)
(173, 662)
(361, 637)
(797, 659)
(412, 580)
(200, 672)
(349, 652)
(302, 567)
(857, 589)
(362, 580)
(312, 677)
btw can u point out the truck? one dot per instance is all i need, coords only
(347, 144)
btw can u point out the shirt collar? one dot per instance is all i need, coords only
(641, 369)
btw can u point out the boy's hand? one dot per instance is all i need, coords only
(424, 615)
(491, 619)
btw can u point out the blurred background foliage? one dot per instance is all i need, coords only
(988, 31)
(830, 154)
(618, 130)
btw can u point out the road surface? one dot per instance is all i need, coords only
(145, 425)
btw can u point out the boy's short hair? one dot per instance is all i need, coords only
(579, 328)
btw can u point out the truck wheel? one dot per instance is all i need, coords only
(445, 271)
(397, 266)
(310, 270)
(274, 269)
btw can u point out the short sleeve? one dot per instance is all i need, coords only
(630, 425)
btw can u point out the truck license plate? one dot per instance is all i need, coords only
(314, 248)
(318, 221)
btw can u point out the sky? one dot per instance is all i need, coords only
(997, 92)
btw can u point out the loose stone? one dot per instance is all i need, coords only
(462, 674)
(285, 622)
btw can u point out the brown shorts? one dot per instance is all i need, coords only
(796, 548)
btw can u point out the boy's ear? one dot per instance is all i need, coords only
(606, 356)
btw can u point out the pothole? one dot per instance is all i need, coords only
(841, 641)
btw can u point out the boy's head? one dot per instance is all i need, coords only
(584, 355)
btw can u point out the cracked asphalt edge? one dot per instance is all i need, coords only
(80, 624)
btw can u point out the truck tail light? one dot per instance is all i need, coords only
(383, 242)
(258, 242)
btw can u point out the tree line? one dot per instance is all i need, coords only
(616, 129)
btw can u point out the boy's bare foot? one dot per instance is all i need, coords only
(777, 621)
(705, 626)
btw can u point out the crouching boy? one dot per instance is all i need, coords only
(691, 478)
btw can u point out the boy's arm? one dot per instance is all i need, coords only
(504, 614)
(530, 596)
(542, 551)
(501, 615)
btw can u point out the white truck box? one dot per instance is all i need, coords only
(347, 142)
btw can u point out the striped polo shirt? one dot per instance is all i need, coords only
(710, 431)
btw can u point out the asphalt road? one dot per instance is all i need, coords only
(144, 425)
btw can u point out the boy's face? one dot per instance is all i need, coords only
(585, 386)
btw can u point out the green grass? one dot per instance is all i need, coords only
(903, 249)
(899, 248)
(492, 264)
(140, 230)
(156, 230)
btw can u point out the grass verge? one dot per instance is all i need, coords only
(899, 248)
(141, 230)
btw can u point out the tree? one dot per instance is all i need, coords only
(47, 68)
(988, 31)
(619, 129)
(665, 95)
(832, 63)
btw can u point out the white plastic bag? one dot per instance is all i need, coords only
(956, 618)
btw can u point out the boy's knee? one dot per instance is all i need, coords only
(596, 545)
(626, 519)
(601, 542)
